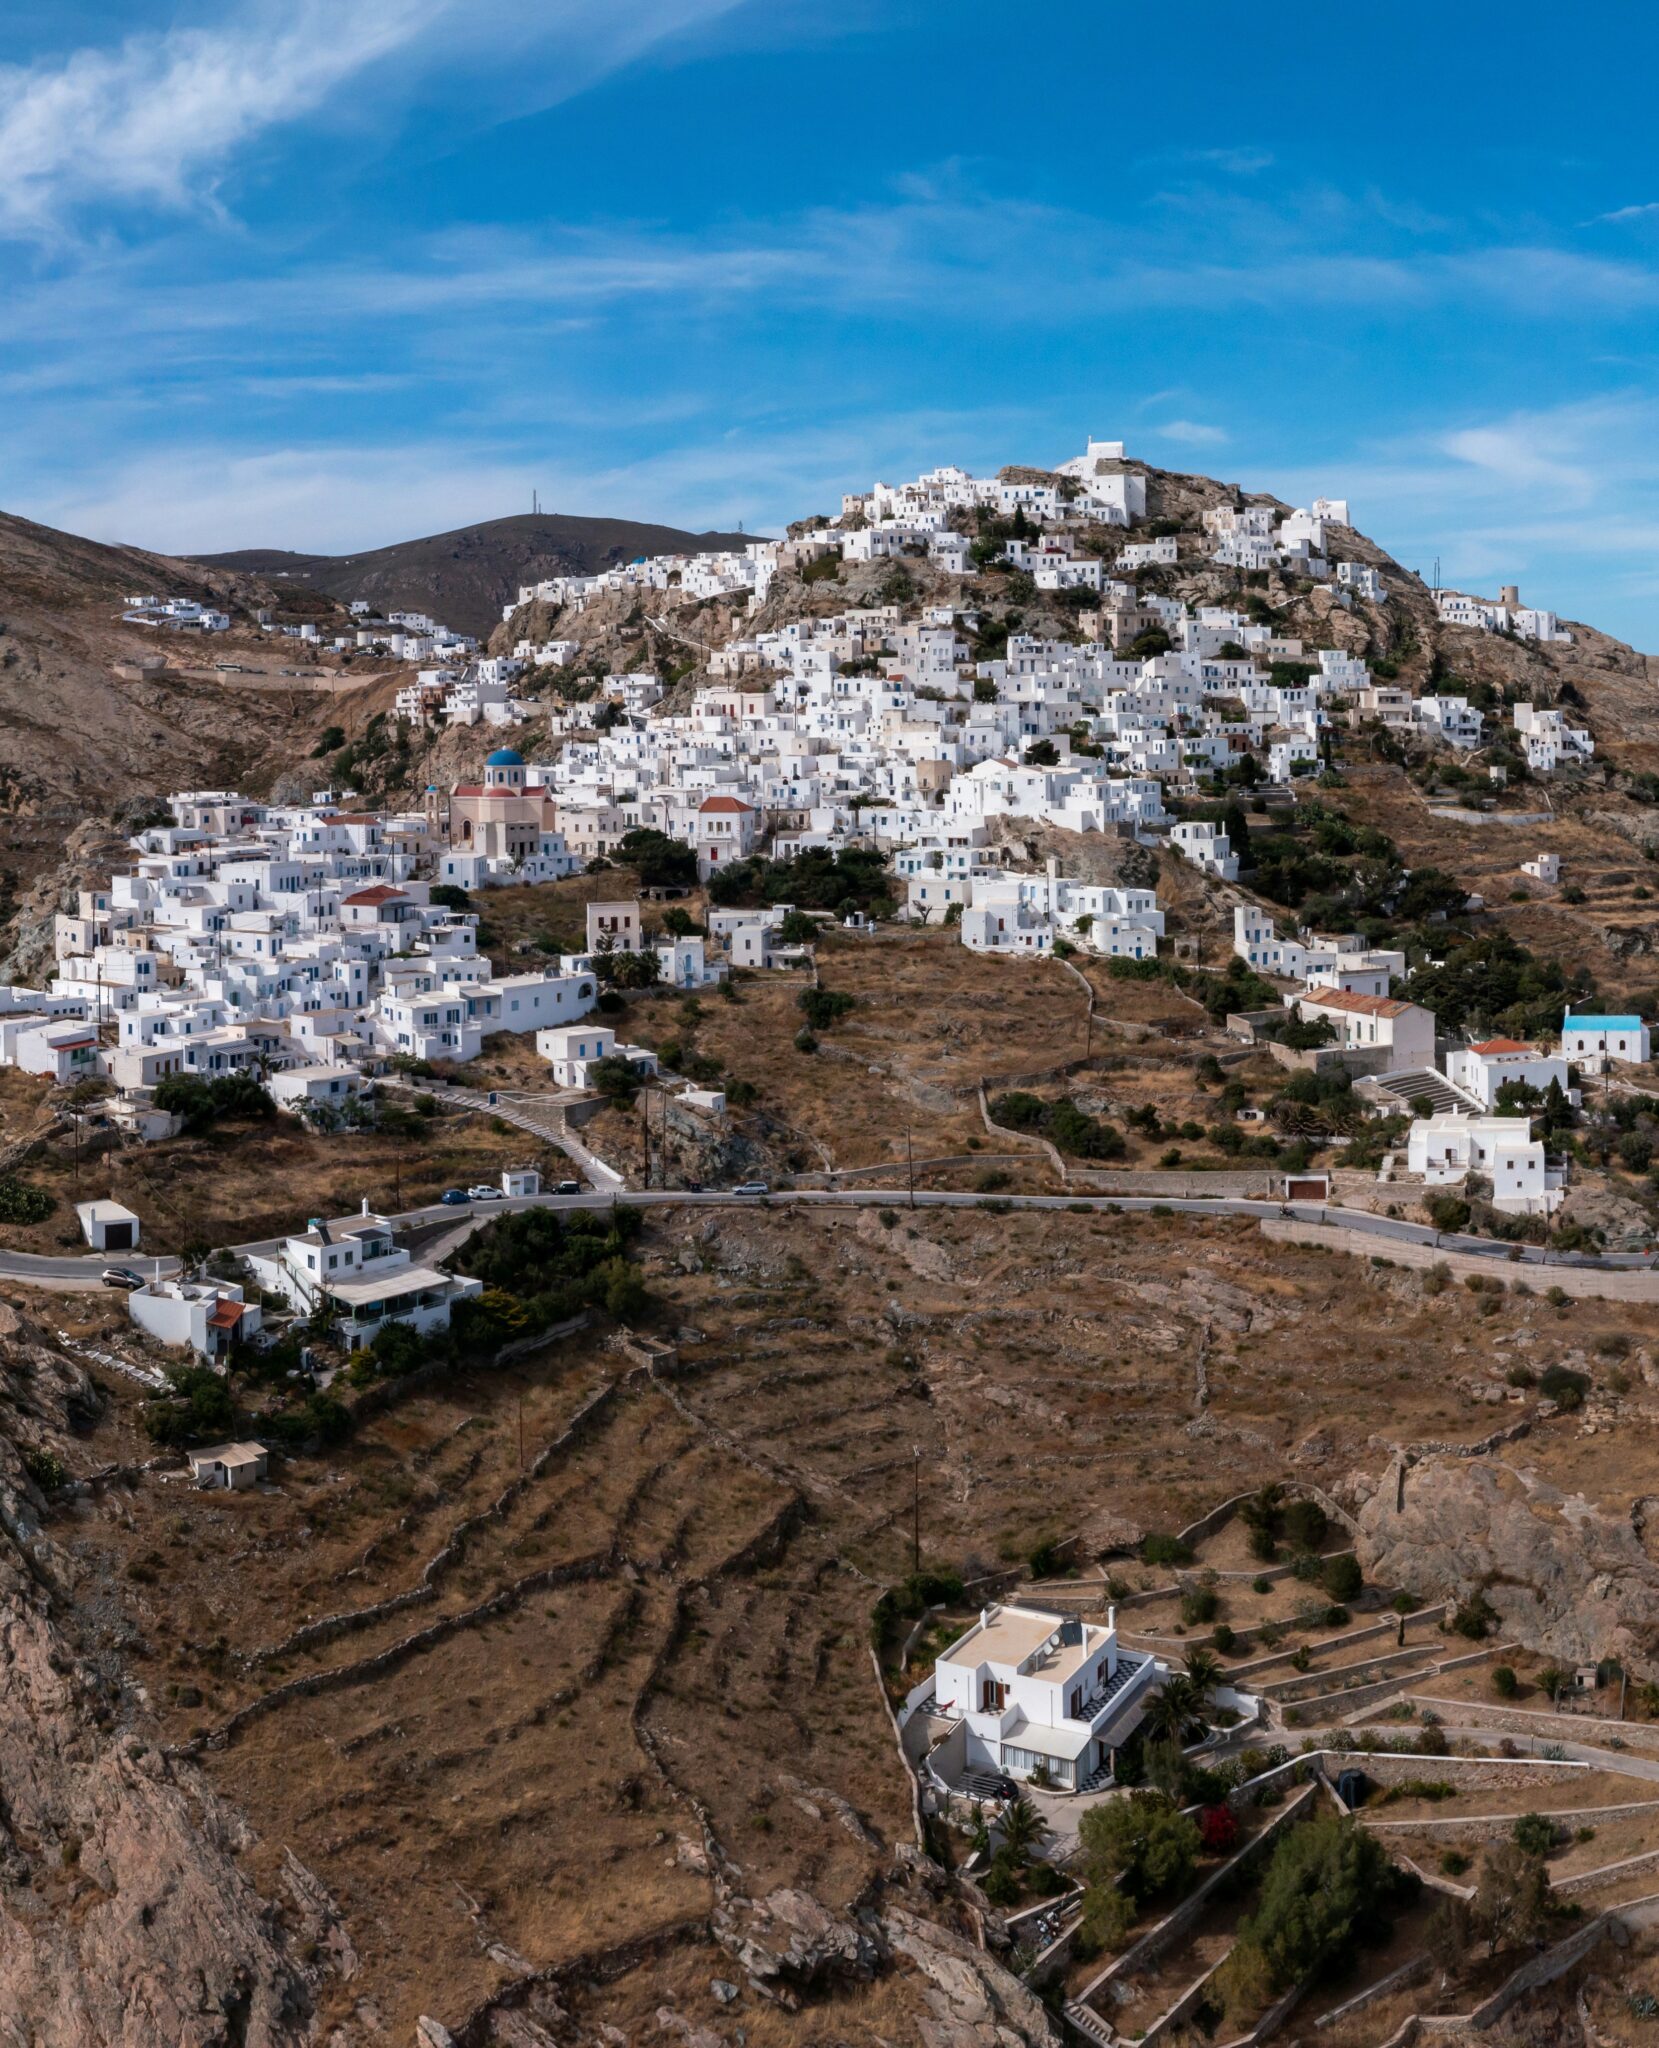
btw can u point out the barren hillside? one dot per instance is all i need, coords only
(79, 743)
(463, 578)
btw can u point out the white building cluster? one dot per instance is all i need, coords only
(296, 942)
(1507, 615)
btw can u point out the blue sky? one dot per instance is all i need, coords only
(330, 273)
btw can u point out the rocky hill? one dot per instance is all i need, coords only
(86, 734)
(465, 577)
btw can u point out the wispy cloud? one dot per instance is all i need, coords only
(1622, 213)
(206, 497)
(156, 119)
(1191, 433)
(151, 119)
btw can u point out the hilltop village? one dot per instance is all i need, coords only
(321, 948)
(903, 1184)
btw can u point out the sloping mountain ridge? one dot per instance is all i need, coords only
(78, 740)
(463, 578)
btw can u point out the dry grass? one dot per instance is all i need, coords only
(471, 1794)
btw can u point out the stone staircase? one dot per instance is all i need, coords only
(1089, 2024)
(541, 1116)
(1399, 1091)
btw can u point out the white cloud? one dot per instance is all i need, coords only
(1191, 433)
(147, 120)
(154, 120)
(205, 498)
(1623, 213)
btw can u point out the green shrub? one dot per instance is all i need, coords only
(1504, 1682)
(45, 1468)
(1342, 1577)
(1476, 1618)
(1199, 1605)
(1328, 1882)
(20, 1202)
(823, 1007)
(1159, 1548)
(1533, 1835)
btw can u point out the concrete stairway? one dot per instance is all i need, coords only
(1402, 1089)
(1090, 2024)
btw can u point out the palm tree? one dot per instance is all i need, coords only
(1170, 1709)
(1204, 1673)
(1022, 1827)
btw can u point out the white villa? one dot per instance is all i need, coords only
(356, 1272)
(1447, 1148)
(1044, 1693)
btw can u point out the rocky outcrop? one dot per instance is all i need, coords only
(972, 2000)
(791, 1947)
(125, 1919)
(1565, 1577)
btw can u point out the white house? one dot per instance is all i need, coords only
(1543, 867)
(1207, 847)
(1044, 1693)
(1403, 1031)
(1445, 1149)
(1548, 740)
(1481, 1070)
(575, 1050)
(207, 1315)
(237, 1466)
(1587, 1038)
(66, 1051)
(356, 1272)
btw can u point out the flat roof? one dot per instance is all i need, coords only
(407, 1280)
(105, 1212)
(1014, 1633)
(227, 1454)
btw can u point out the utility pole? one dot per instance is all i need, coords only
(910, 1174)
(916, 1509)
(521, 1429)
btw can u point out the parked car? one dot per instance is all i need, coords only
(123, 1276)
(483, 1194)
(751, 1187)
(454, 1198)
(568, 1187)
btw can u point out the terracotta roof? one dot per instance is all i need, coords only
(1501, 1045)
(1363, 1006)
(226, 1314)
(723, 803)
(468, 789)
(382, 892)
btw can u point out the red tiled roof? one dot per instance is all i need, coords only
(468, 789)
(1364, 1006)
(226, 1314)
(382, 892)
(723, 803)
(1501, 1045)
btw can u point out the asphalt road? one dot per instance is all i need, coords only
(80, 1273)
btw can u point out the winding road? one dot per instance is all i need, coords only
(79, 1274)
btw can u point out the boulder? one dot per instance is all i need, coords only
(791, 1947)
(1567, 1578)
